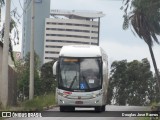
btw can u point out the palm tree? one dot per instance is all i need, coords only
(1, 4)
(13, 27)
(144, 19)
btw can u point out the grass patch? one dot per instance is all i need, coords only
(152, 107)
(39, 102)
(144, 118)
(147, 118)
(36, 104)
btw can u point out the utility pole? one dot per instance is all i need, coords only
(31, 81)
(4, 81)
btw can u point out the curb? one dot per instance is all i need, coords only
(49, 107)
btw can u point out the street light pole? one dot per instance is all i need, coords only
(31, 82)
(4, 81)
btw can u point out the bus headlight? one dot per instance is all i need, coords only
(94, 95)
(97, 101)
(97, 94)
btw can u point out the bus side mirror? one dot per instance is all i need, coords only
(55, 68)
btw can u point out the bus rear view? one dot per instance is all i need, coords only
(81, 78)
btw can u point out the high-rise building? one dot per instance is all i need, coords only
(70, 27)
(42, 11)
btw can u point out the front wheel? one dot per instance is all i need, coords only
(62, 109)
(100, 108)
(103, 108)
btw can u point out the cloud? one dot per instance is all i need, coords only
(118, 44)
(117, 51)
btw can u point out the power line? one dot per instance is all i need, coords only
(14, 7)
(24, 9)
(15, 13)
(13, 3)
(21, 5)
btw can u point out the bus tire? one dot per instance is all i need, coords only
(62, 109)
(98, 109)
(103, 108)
(71, 108)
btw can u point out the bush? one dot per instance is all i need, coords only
(48, 79)
(22, 68)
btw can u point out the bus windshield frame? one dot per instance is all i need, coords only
(81, 74)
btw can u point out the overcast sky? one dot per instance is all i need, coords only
(117, 43)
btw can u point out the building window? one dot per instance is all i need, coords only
(77, 36)
(51, 52)
(94, 43)
(94, 38)
(48, 46)
(61, 23)
(65, 41)
(94, 31)
(74, 30)
(50, 58)
(51, 23)
(95, 26)
(70, 24)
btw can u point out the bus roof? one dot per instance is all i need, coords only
(80, 51)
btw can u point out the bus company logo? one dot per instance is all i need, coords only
(6, 114)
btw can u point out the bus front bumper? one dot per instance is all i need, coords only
(63, 101)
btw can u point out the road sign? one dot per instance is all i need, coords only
(18, 55)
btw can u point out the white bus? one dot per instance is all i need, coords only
(82, 75)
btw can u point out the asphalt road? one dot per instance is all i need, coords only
(111, 113)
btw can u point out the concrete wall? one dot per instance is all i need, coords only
(12, 87)
(12, 83)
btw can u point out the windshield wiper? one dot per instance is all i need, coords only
(75, 77)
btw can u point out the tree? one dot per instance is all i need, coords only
(141, 78)
(48, 79)
(118, 81)
(154, 96)
(22, 68)
(13, 29)
(144, 18)
(1, 5)
(131, 82)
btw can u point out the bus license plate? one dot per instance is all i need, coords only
(78, 102)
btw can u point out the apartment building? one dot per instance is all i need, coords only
(70, 27)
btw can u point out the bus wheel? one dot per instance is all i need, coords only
(103, 108)
(71, 108)
(98, 109)
(62, 109)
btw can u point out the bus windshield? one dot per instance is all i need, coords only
(80, 74)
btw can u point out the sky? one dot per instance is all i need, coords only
(119, 44)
